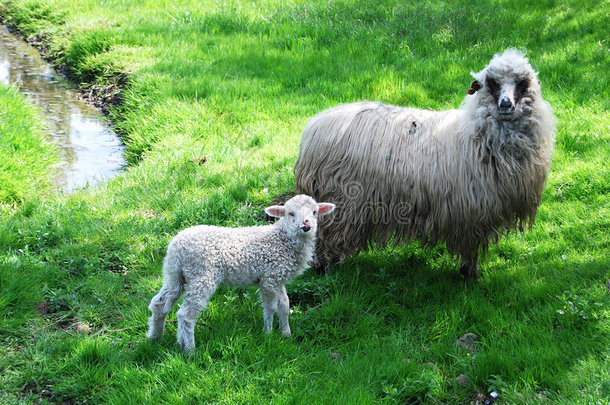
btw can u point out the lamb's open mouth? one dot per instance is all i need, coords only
(305, 228)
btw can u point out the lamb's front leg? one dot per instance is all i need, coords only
(269, 297)
(283, 310)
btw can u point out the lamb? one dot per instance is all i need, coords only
(201, 258)
(464, 176)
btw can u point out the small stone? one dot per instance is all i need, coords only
(479, 398)
(43, 308)
(83, 328)
(462, 380)
(46, 393)
(544, 394)
(468, 342)
(199, 160)
(482, 399)
(336, 356)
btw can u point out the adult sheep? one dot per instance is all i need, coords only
(463, 176)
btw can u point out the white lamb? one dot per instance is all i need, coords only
(201, 258)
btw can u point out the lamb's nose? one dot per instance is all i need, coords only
(305, 226)
(505, 103)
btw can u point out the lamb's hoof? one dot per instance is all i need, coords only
(154, 335)
(187, 350)
(470, 270)
(187, 345)
(155, 330)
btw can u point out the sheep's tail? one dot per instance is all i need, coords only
(173, 279)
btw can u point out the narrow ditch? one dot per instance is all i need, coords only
(90, 152)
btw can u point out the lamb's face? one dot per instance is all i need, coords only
(299, 216)
(509, 82)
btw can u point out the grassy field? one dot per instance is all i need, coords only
(235, 82)
(28, 157)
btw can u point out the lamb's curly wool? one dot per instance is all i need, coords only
(460, 176)
(201, 258)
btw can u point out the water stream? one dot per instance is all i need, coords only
(90, 151)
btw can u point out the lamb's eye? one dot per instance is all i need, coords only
(291, 214)
(315, 212)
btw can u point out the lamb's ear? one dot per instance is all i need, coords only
(325, 208)
(276, 211)
(474, 87)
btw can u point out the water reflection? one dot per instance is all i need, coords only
(90, 152)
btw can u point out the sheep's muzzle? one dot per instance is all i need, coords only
(506, 107)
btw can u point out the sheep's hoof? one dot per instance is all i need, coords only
(470, 270)
(320, 266)
(321, 263)
(321, 269)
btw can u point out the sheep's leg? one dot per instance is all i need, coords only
(319, 261)
(469, 267)
(269, 297)
(194, 302)
(162, 304)
(283, 309)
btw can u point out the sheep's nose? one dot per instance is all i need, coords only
(305, 226)
(505, 104)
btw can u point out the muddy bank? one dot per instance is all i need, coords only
(102, 96)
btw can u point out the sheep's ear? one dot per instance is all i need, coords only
(276, 211)
(474, 87)
(325, 208)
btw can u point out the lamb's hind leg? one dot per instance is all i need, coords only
(194, 302)
(162, 304)
(269, 297)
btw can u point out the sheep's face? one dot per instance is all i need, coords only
(509, 82)
(507, 92)
(299, 216)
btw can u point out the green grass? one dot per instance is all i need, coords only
(235, 82)
(28, 157)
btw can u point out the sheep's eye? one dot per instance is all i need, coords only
(315, 212)
(291, 214)
(522, 84)
(492, 83)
